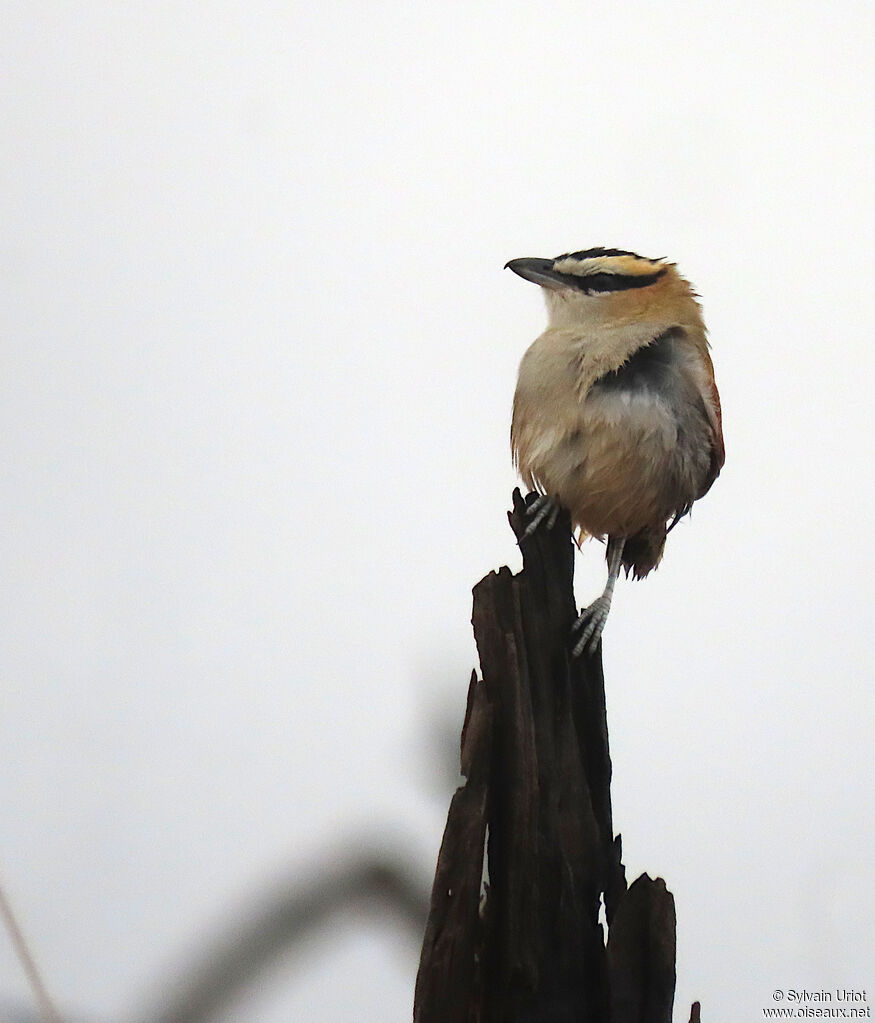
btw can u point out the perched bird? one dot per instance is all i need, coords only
(616, 415)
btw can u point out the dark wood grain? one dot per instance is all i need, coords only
(527, 945)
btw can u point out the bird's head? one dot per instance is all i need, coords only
(603, 286)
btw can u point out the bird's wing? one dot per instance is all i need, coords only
(714, 415)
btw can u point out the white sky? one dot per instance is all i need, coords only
(258, 355)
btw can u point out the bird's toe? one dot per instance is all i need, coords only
(542, 511)
(587, 630)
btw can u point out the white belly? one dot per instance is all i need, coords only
(631, 452)
(625, 467)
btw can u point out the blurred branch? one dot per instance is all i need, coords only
(47, 1011)
(285, 921)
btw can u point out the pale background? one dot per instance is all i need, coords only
(258, 354)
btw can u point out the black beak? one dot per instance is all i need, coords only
(538, 271)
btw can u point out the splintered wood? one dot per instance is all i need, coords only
(529, 856)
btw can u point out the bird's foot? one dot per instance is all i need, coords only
(587, 630)
(542, 509)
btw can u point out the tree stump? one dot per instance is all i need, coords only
(528, 857)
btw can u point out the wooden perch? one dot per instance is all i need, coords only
(517, 938)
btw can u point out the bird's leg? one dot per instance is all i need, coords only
(542, 509)
(587, 630)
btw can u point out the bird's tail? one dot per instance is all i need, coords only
(642, 552)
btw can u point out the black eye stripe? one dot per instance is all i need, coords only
(602, 282)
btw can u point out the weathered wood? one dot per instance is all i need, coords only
(528, 946)
(452, 935)
(641, 954)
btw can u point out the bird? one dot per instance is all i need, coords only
(616, 414)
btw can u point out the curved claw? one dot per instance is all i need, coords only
(590, 625)
(542, 509)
